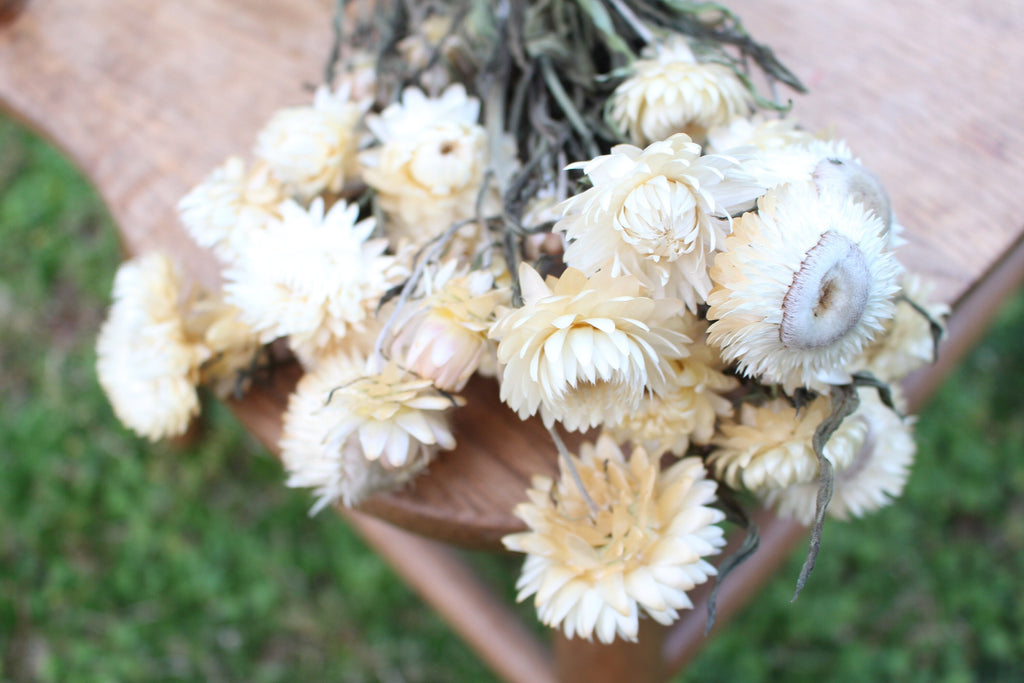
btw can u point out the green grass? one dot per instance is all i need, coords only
(126, 561)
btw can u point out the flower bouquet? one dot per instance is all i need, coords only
(608, 207)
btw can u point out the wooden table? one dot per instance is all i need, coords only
(147, 98)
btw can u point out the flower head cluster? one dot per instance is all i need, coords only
(624, 242)
(595, 571)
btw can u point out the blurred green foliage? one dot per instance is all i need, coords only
(122, 560)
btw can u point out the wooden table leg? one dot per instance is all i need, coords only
(483, 620)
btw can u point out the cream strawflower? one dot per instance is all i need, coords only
(395, 416)
(322, 442)
(671, 92)
(584, 351)
(223, 211)
(771, 445)
(311, 276)
(658, 214)
(802, 287)
(444, 336)
(640, 552)
(689, 407)
(311, 149)
(430, 164)
(906, 343)
(146, 363)
(871, 480)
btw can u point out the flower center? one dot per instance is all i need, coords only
(828, 295)
(659, 218)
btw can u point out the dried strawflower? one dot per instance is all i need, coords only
(803, 286)
(770, 446)
(311, 276)
(322, 443)
(395, 416)
(872, 479)
(147, 365)
(658, 214)
(444, 336)
(639, 551)
(223, 211)
(584, 351)
(311, 149)
(430, 164)
(670, 91)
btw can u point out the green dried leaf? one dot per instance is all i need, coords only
(751, 542)
(844, 403)
(938, 329)
(603, 22)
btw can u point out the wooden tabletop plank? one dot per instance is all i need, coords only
(148, 97)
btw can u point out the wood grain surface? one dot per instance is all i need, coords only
(147, 98)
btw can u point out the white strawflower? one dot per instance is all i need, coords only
(906, 344)
(311, 276)
(311, 149)
(147, 365)
(594, 573)
(334, 463)
(395, 416)
(671, 92)
(689, 407)
(584, 351)
(871, 480)
(802, 287)
(444, 336)
(430, 164)
(223, 211)
(658, 214)
(771, 446)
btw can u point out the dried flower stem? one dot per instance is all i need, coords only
(844, 403)
(563, 452)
